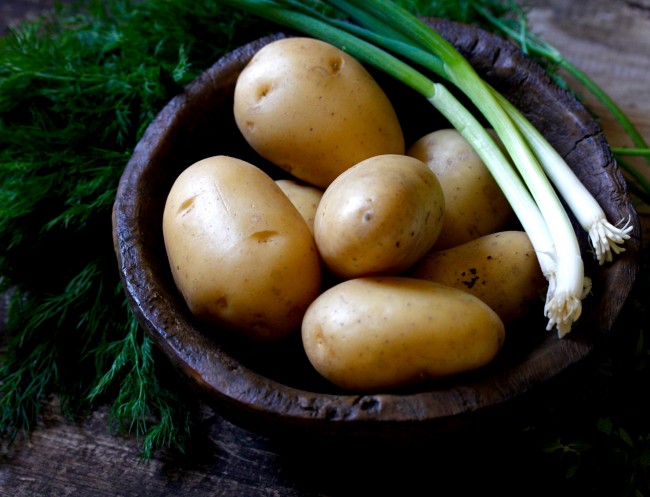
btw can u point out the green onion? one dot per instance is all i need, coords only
(605, 237)
(535, 45)
(631, 151)
(382, 26)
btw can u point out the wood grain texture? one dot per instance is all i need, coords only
(62, 457)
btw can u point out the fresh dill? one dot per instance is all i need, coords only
(76, 92)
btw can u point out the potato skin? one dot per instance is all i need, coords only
(304, 197)
(240, 253)
(474, 203)
(378, 333)
(379, 217)
(500, 268)
(313, 110)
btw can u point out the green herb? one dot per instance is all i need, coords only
(76, 93)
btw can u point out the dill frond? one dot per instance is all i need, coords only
(141, 405)
(76, 93)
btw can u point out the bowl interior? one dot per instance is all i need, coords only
(271, 386)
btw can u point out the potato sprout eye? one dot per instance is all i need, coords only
(336, 65)
(263, 91)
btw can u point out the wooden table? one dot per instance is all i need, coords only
(610, 40)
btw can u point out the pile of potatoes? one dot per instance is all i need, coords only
(422, 277)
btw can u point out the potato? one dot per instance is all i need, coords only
(377, 333)
(304, 197)
(313, 110)
(501, 269)
(474, 203)
(379, 217)
(240, 253)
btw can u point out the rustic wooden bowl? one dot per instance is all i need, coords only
(272, 388)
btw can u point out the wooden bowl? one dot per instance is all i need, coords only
(272, 389)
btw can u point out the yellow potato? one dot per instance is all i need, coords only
(501, 269)
(304, 197)
(378, 333)
(474, 203)
(379, 217)
(313, 110)
(240, 253)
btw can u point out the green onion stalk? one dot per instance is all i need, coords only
(381, 27)
(516, 30)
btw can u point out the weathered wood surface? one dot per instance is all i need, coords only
(608, 39)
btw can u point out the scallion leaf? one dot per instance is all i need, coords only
(385, 26)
